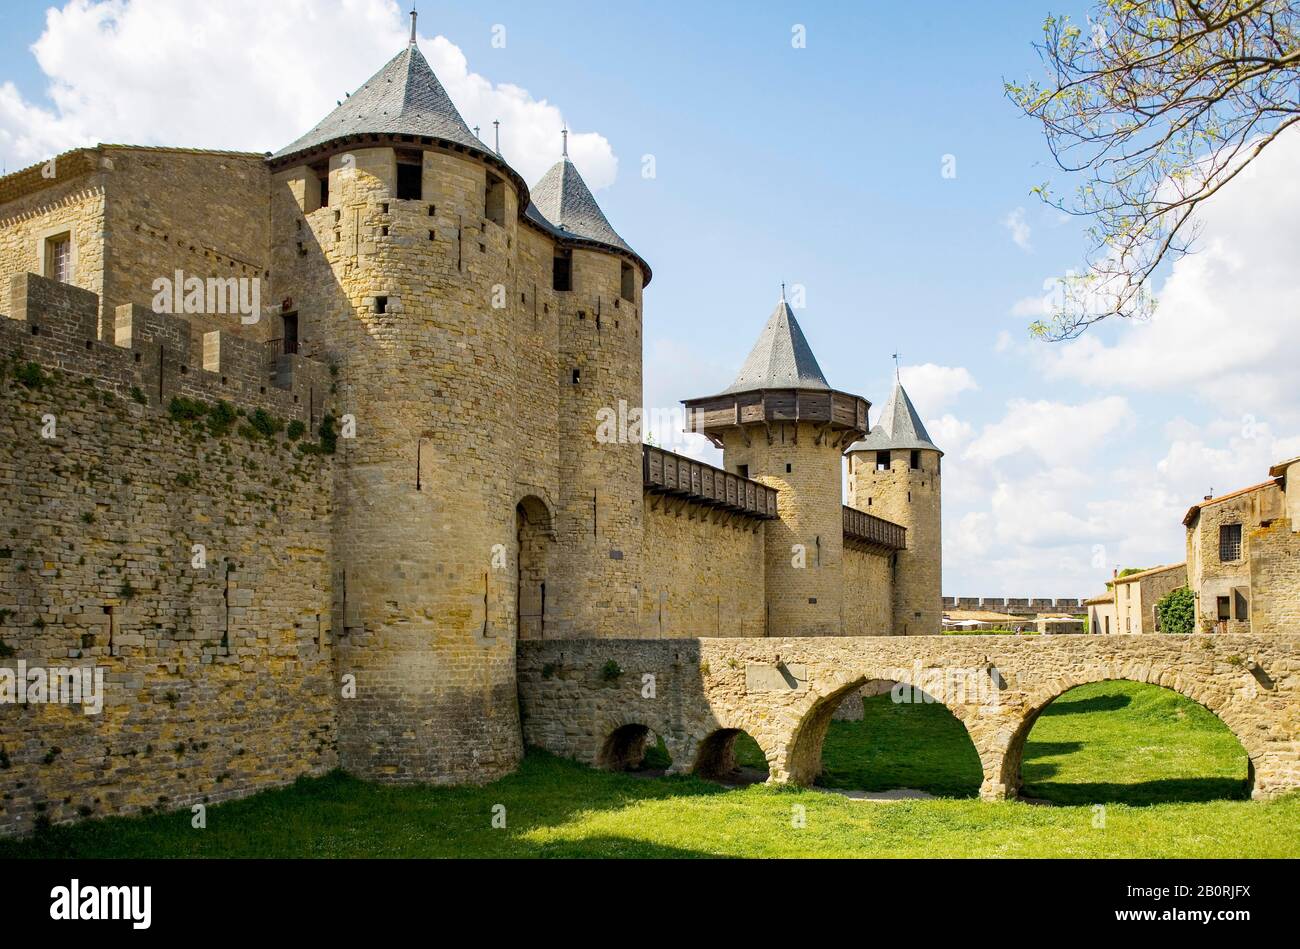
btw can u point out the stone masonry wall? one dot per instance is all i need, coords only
(783, 692)
(911, 497)
(703, 572)
(219, 677)
(804, 550)
(1210, 577)
(868, 592)
(1275, 579)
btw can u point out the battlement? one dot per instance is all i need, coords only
(156, 356)
(1014, 605)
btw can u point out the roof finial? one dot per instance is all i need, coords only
(564, 134)
(782, 291)
(496, 127)
(898, 373)
(413, 16)
(476, 134)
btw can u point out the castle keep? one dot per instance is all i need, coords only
(299, 447)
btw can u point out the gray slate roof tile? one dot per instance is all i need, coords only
(900, 427)
(403, 98)
(781, 359)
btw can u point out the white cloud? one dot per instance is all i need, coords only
(1050, 431)
(932, 387)
(1225, 329)
(1016, 224)
(251, 76)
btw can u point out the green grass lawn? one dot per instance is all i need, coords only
(1111, 742)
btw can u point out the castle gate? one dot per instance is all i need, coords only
(576, 693)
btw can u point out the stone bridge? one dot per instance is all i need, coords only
(594, 699)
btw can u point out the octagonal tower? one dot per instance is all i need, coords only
(782, 424)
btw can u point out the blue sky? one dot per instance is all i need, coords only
(818, 166)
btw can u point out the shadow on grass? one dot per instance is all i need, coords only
(339, 816)
(901, 745)
(1093, 703)
(1122, 742)
(1138, 793)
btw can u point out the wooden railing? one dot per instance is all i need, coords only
(665, 472)
(869, 529)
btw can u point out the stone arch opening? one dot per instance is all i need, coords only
(1124, 740)
(534, 539)
(634, 747)
(903, 738)
(731, 756)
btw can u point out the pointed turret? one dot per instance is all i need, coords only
(403, 98)
(781, 424)
(895, 473)
(779, 382)
(900, 427)
(562, 203)
(781, 359)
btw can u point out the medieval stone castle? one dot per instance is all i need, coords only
(313, 535)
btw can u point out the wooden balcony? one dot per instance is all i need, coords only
(665, 472)
(842, 416)
(875, 531)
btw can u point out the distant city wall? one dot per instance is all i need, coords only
(1014, 606)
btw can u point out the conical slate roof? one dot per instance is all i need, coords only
(403, 98)
(781, 359)
(899, 427)
(563, 202)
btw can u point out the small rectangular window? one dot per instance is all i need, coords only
(916, 460)
(410, 182)
(628, 289)
(742, 470)
(882, 461)
(322, 173)
(562, 273)
(577, 376)
(58, 258)
(1229, 542)
(1225, 608)
(381, 304)
(494, 200)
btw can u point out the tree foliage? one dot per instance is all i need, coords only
(1177, 611)
(1159, 103)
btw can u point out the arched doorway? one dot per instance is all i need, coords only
(534, 537)
(1120, 741)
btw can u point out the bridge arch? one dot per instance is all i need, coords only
(1213, 700)
(715, 755)
(624, 747)
(799, 760)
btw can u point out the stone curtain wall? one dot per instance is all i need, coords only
(783, 692)
(219, 681)
(868, 591)
(703, 572)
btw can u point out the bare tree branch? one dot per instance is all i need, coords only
(1159, 103)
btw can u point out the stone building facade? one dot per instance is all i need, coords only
(365, 374)
(1136, 596)
(1243, 556)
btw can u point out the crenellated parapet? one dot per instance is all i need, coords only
(157, 356)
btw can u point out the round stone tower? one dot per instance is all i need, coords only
(894, 473)
(409, 255)
(782, 424)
